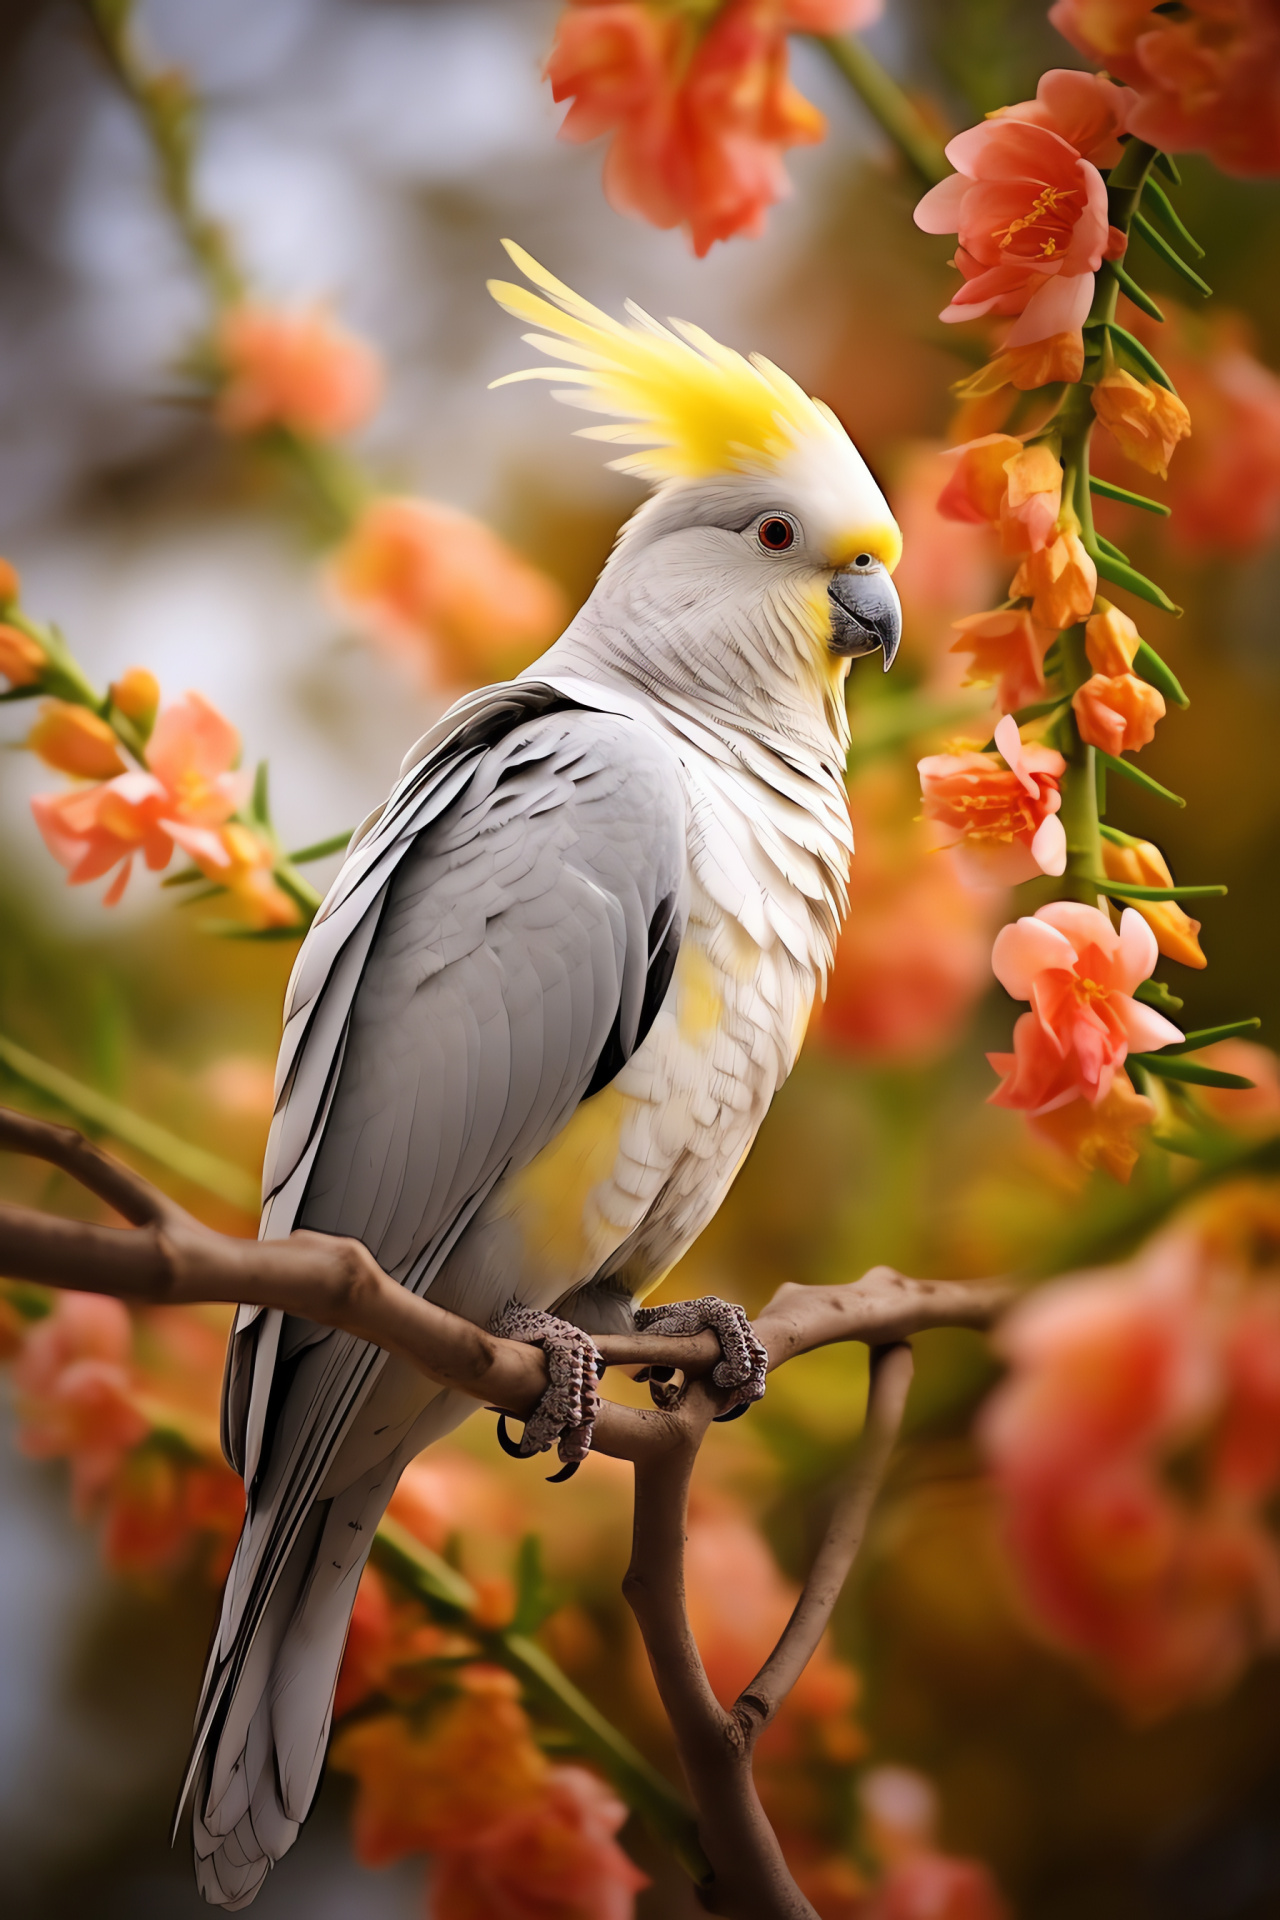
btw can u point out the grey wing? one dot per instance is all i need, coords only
(507, 934)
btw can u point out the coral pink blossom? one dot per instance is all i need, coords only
(296, 370)
(22, 659)
(1007, 649)
(699, 105)
(444, 591)
(1032, 221)
(1117, 712)
(189, 784)
(1084, 109)
(1206, 74)
(557, 1856)
(1002, 813)
(947, 565)
(1017, 488)
(1079, 975)
(1112, 1379)
(74, 1385)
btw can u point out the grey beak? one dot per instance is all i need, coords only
(865, 614)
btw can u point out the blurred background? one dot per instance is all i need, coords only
(371, 153)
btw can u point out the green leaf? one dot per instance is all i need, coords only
(1163, 208)
(1109, 491)
(202, 1169)
(1154, 992)
(1188, 1071)
(185, 877)
(1140, 779)
(260, 804)
(337, 843)
(1121, 574)
(1148, 663)
(1206, 1036)
(1132, 890)
(1169, 168)
(1135, 349)
(534, 1598)
(1138, 295)
(1159, 245)
(236, 930)
(1110, 548)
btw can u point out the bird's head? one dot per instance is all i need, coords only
(765, 520)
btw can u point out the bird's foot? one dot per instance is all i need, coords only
(566, 1413)
(745, 1361)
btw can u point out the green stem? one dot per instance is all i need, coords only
(451, 1599)
(889, 106)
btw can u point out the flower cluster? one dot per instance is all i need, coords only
(697, 100)
(1206, 73)
(1136, 1447)
(1043, 200)
(131, 1404)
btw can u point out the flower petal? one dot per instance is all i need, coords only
(1025, 949)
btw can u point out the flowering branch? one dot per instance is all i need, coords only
(166, 1257)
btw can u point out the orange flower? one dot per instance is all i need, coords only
(1084, 109)
(1001, 482)
(1111, 641)
(475, 1764)
(1031, 215)
(947, 565)
(1059, 357)
(1004, 810)
(899, 1810)
(1079, 975)
(555, 1857)
(442, 587)
(189, 783)
(75, 741)
(1207, 73)
(1141, 863)
(1007, 647)
(1117, 712)
(136, 694)
(1144, 419)
(383, 1635)
(10, 584)
(159, 1503)
(1060, 582)
(239, 859)
(74, 1386)
(1112, 1379)
(296, 370)
(913, 954)
(1100, 1135)
(698, 102)
(1256, 1106)
(22, 659)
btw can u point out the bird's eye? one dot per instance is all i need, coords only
(776, 534)
(864, 560)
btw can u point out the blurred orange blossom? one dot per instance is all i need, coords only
(697, 100)
(443, 590)
(1006, 648)
(298, 370)
(1206, 74)
(1007, 485)
(1079, 974)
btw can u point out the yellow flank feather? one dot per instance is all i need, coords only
(696, 407)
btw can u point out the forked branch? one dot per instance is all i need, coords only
(164, 1256)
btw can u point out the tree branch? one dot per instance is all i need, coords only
(167, 1257)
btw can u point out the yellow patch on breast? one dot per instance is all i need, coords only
(548, 1199)
(699, 1002)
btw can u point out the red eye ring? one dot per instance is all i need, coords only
(775, 534)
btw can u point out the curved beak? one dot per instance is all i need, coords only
(865, 614)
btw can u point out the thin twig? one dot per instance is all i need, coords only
(891, 1371)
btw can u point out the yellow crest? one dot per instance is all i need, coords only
(697, 408)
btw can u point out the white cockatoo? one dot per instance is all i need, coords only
(539, 1019)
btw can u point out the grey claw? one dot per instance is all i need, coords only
(745, 1361)
(566, 1414)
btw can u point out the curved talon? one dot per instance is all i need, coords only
(565, 1473)
(734, 1413)
(508, 1445)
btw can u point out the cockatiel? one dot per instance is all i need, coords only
(538, 1021)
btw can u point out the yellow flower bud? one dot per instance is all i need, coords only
(136, 694)
(75, 741)
(21, 657)
(1144, 865)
